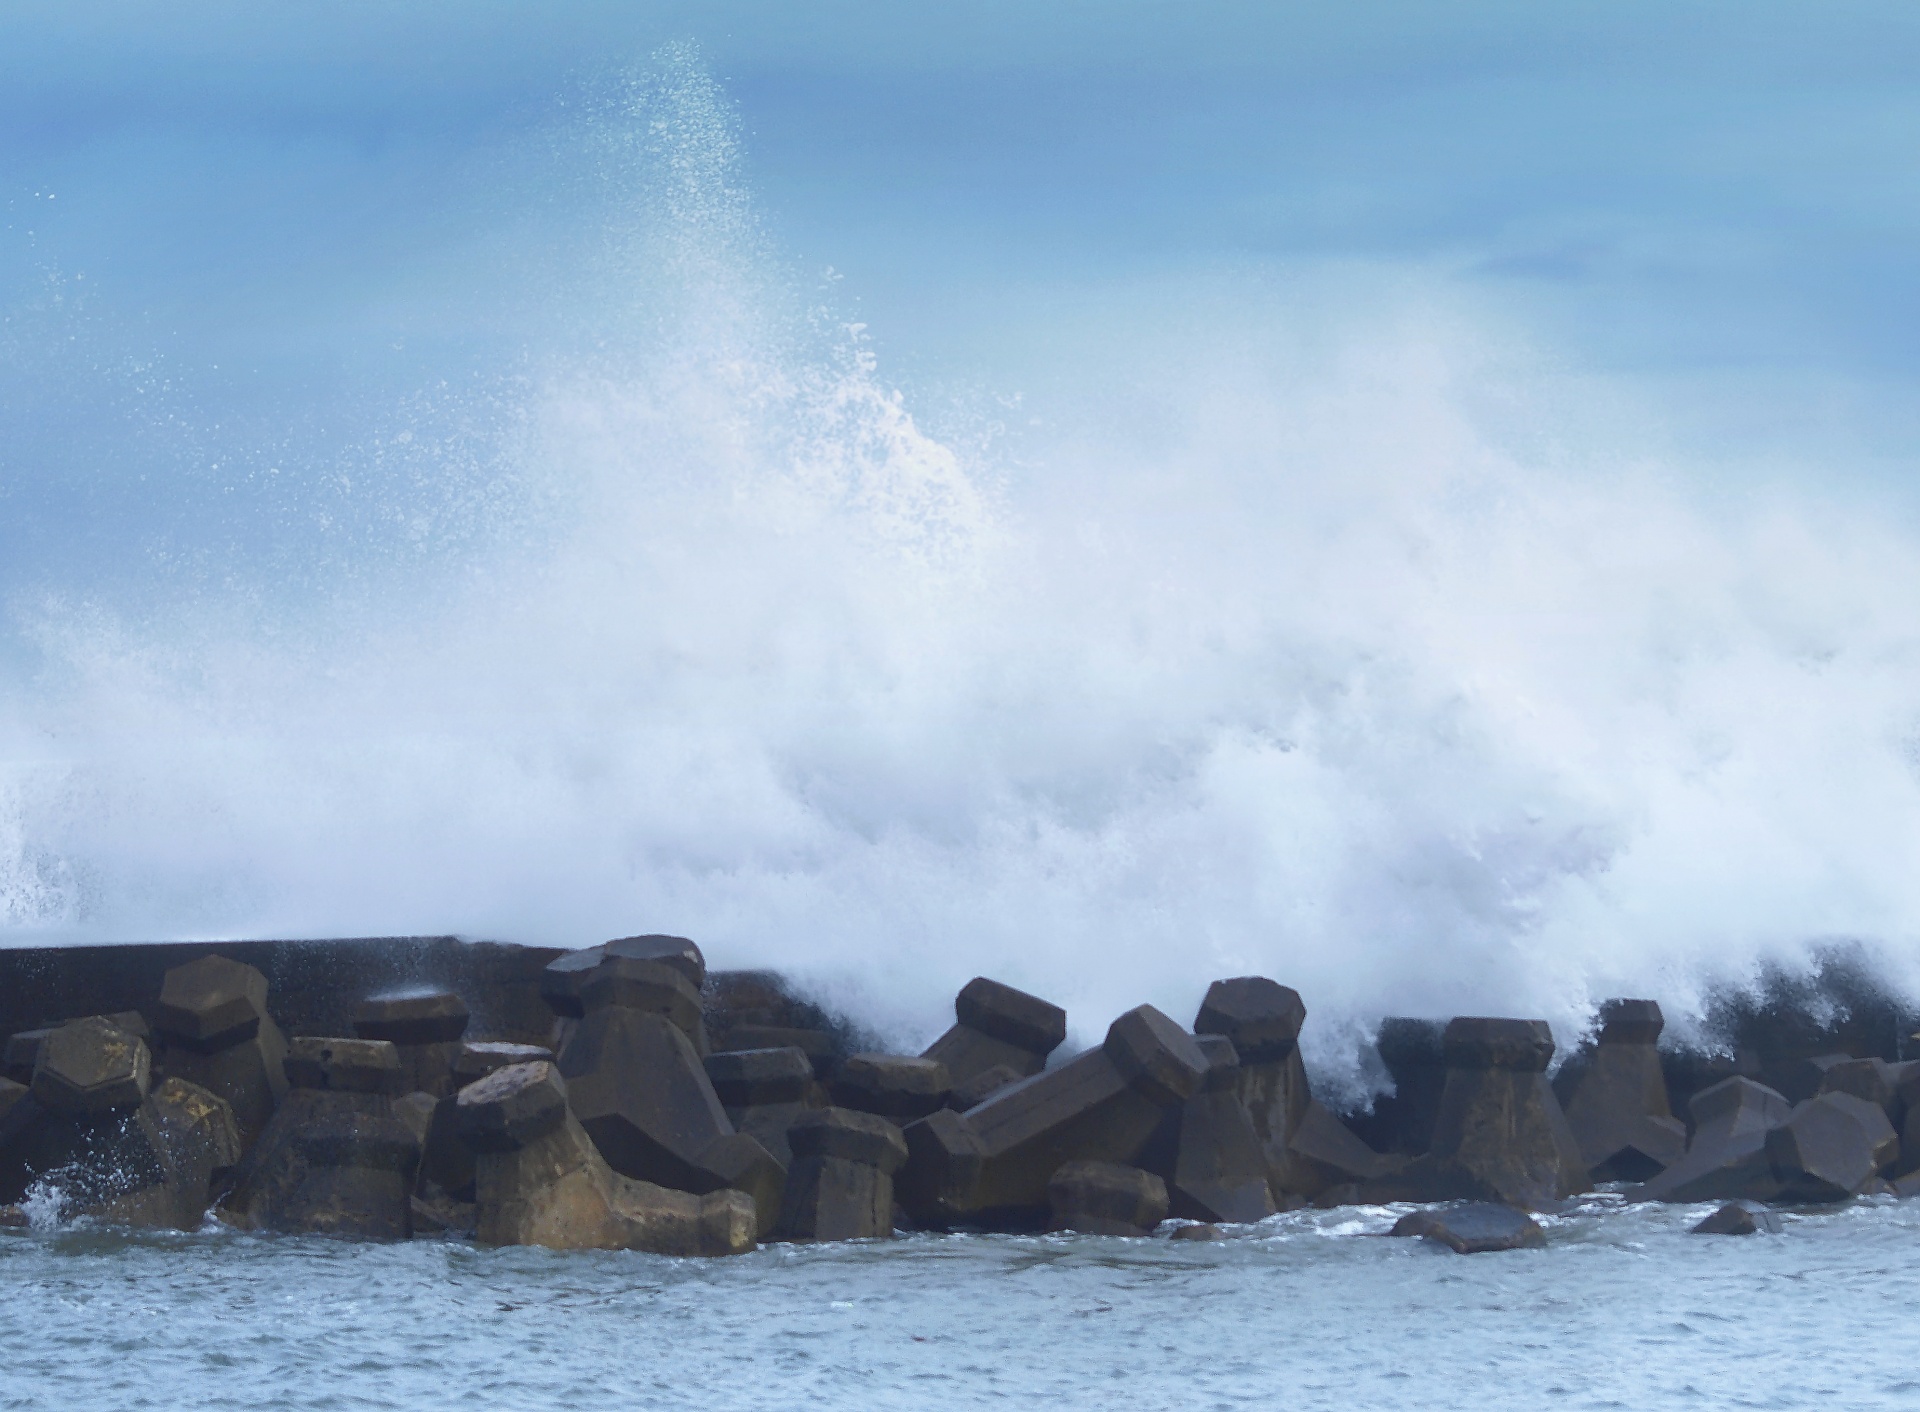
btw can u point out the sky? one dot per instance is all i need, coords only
(1358, 473)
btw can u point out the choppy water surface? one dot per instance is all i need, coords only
(1622, 1309)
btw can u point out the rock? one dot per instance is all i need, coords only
(541, 1181)
(334, 1159)
(992, 1165)
(478, 1058)
(643, 1095)
(1473, 1228)
(764, 1091)
(425, 1029)
(1206, 1150)
(998, 1025)
(981, 1087)
(345, 1065)
(891, 1085)
(1615, 1097)
(1830, 1148)
(91, 1066)
(1727, 1157)
(1500, 1135)
(1740, 1218)
(1105, 1198)
(211, 1004)
(1262, 1019)
(841, 1185)
(149, 1164)
(1198, 1231)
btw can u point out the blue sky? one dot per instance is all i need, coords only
(274, 215)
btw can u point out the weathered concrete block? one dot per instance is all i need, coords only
(1740, 1218)
(1473, 1228)
(91, 1066)
(1105, 1198)
(1206, 1150)
(643, 1095)
(992, 1166)
(1615, 1097)
(1797, 1080)
(1874, 1080)
(439, 1017)
(998, 1025)
(211, 1004)
(1262, 1019)
(249, 1074)
(425, 1029)
(563, 982)
(511, 1107)
(893, 1086)
(981, 1087)
(1830, 1148)
(543, 1182)
(415, 1110)
(1326, 1156)
(1727, 1157)
(334, 1159)
(478, 1058)
(764, 1091)
(1500, 1135)
(11, 1093)
(22, 1051)
(151, 1165)
(841, 1183)
(345, 1065)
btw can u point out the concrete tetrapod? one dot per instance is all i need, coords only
(642, 1093)
(335, 1159)
(893, 1086)
(424, 1029)
(998, 1025)
(1106, 1198)
(841, 1185)
(1262, 1019)
(106, 1148)
(1500, 1135)
(1615, 1097)
(764, 1092)
(1207, 1152)
(991, 1165)
(213, 1030)
(1830, 1148)
(1728, 1155)
(540, 1181)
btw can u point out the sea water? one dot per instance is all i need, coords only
(1623, 1308)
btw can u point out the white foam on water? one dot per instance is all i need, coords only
(1356, 645)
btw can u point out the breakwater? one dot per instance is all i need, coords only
(622, 1096)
